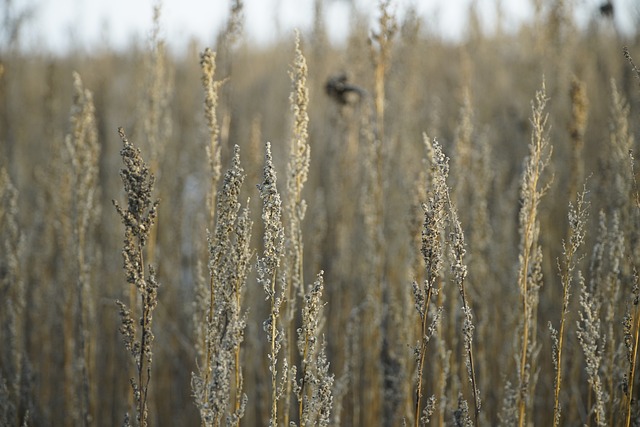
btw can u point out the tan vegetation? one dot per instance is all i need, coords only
(297, 250)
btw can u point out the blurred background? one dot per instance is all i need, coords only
(464, 72)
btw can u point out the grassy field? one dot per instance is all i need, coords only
(398, 231)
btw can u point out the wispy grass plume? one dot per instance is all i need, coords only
(577, 230)
(295, 206)
(211, 90)
(83, 151)
(435, 222)
(530, 257)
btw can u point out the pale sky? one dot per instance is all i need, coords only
(57, 24)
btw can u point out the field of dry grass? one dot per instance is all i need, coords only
(398, 231)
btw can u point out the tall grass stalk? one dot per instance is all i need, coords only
(432, 248)
(606, 276)
(138, 218)
(632, 320)
(632, 340)
(577, 223)
(314, 390)
(83, 152)
(274, 285)
(592, 343)
(155, 106)
(529, 269)
(211, 90)
(218, 387)
(380, 49)
(459, 269)
(295, 206)
(205, 316)
(380, 43)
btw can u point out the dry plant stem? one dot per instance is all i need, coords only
(615, 240)
(634, 351)
(592, 343)
(142, 402)
(435, 217)
(635, 69)
(83, 149)
(226, 40)
(267, 269)
(531, 193)
(423, 351)
(208, 344)
(211, 89)
(243, 255)
(211, 93)
(144, 340)
(380, 45)
(155, 109)
(380, 52)
(443, 359)
(238, 379)
(380, 57)
(635, 331)
(577, 222)
(373, 212)
(274, 352)
(558, 379)
(460, 274)
(138, 219)
(297, 170)
(220, 387)
(314, 389)
(237, 370)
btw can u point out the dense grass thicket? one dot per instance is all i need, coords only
(398, 231)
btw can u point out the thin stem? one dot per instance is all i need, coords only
(143, 337)
(471, 364)
(237, 360)
(423, 350)
(274, 379)
(556, 401)
(525, 340)
(302, 386)
(634, 355)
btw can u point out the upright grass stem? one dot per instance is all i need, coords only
(295, 208)
(268, 275)
(138, 219)
(632, 333)
(633, 353)
(83, 149)
(460, 273)
(435, 218)
(577, 223)
(218, 389)
(532, 191)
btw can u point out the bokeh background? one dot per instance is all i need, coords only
(464, 73)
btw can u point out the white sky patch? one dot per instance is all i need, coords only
(57, 25)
